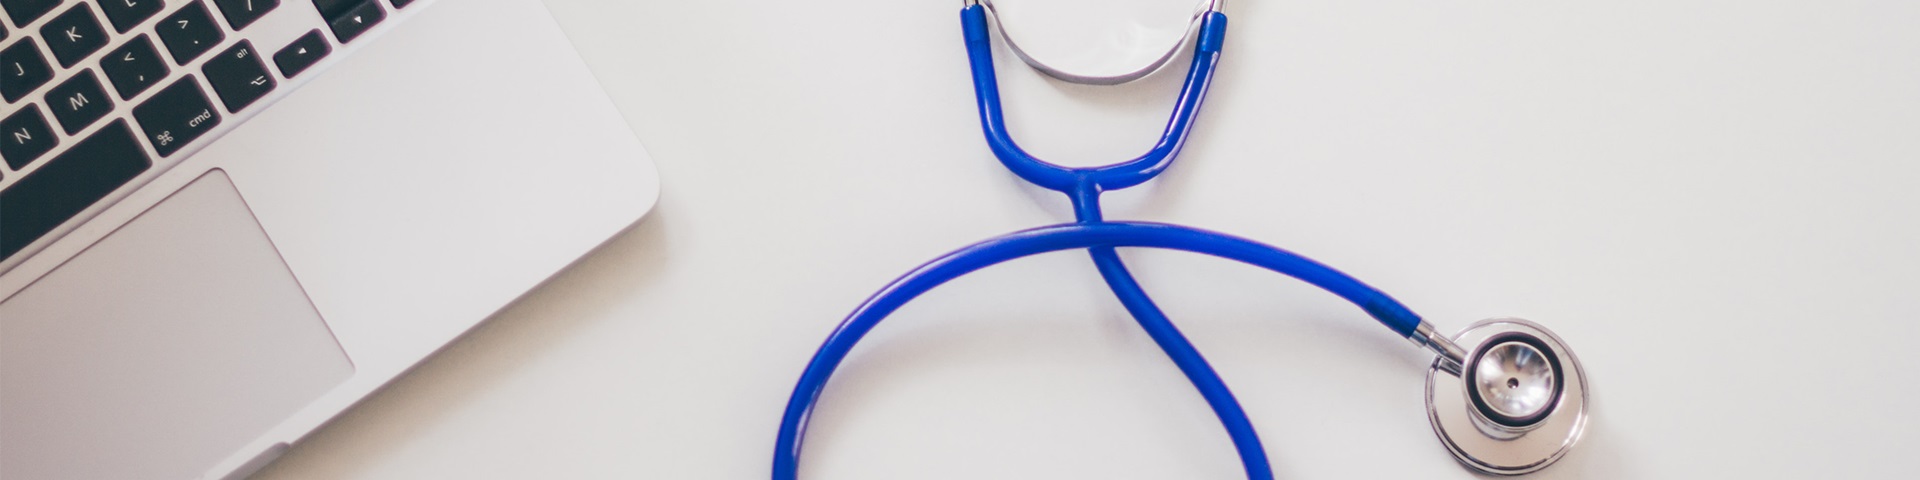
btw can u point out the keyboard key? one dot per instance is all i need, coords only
(26, 11)
(24, 137)
(302, 53)
(356, 20)
(22, 69)
(74, 35)
(79, 101)
(241, 13)
(189, 32)
(331, 9)
(176, 116)
(68, 184)
(398, 4)
(239, 76)
(134, 67)
(125, 14)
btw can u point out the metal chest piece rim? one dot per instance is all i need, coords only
(1493, 439)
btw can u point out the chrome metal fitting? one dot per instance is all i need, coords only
(1521, 403)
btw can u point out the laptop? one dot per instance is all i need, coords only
(223, 222)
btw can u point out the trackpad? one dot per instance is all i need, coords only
(160, 350)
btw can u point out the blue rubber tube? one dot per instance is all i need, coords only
(1246, 441)
(1106, 235)
(1206, 54)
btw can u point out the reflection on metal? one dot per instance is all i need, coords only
(1521, 405)
(1193, 25)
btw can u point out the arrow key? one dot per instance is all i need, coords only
(238, 76)
(355, 20)
(302, 53)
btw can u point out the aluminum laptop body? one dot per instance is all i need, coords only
(214, 258)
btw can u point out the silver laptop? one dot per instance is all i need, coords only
(222, 222)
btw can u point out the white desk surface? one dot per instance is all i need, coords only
(1713, 202)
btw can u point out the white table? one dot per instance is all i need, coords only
(1714, 203)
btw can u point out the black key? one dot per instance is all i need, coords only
(134, 67)
(22, 69)
(331, 9)
(189, 32)
(68, 184)
(239, 76)
(241, 13)
(125, 14)
(401, 3)
(74, 35)
(25, 136)
(26, 11)
(302, 53)
(176, 116)
(79, 101)
(355, 21)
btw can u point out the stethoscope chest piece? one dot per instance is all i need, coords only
(1518, 404)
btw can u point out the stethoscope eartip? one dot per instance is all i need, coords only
(1518, 403)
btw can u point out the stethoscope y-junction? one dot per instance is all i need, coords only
(1512, 403)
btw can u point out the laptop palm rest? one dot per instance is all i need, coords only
(161, 349)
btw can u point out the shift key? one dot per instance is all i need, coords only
(176, 116)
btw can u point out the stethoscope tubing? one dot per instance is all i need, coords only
(1102, 237)
(1083, 186)
(1183, 354)
(1206, 54)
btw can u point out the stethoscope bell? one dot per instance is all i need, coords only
(1516, 406)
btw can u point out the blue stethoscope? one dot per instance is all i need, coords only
(1513, 403)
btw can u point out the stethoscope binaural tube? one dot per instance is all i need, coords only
(1206, 54)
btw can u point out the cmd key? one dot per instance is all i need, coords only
(176, 115)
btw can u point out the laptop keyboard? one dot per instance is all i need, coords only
(97, 92)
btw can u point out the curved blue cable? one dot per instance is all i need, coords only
(1246, 440)
(813, 380)
(1206, 54)
(1253, 456)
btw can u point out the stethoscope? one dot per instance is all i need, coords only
(1513, 403)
